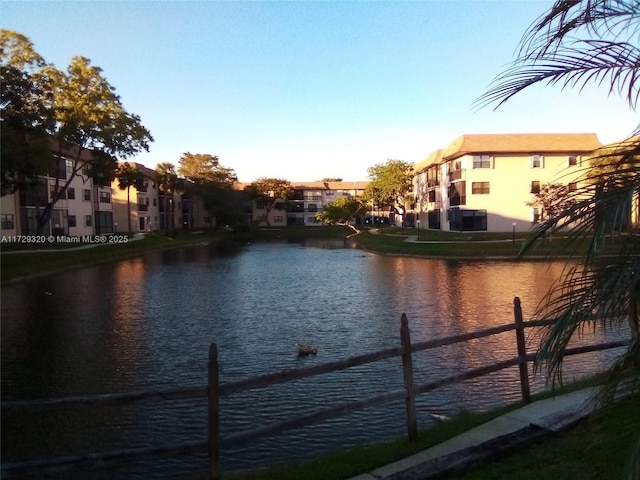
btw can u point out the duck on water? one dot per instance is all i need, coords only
(306, 349)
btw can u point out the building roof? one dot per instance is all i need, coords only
(329, 185)
(522, 143)
(434, 158)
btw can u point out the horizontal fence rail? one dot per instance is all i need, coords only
(215, 390)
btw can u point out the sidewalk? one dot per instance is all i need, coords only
(491, 440)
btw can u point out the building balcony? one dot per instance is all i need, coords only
(455, 175)
(456, 201)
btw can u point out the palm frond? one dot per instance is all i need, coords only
(598, 18)
(585, 62)
(603, 288)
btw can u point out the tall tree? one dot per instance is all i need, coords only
(26, 114)
(391, 184)
(167, 183)
(342, 211)
(129, 176)
(89, 121)
(269, 194)
(207, 179)
(576, 43)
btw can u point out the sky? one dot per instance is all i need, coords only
(305, 90)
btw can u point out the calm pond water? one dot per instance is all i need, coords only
(147, 323)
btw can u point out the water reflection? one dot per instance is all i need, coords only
(147, 323)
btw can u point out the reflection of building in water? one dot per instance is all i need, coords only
(467, 297)
(127, 315)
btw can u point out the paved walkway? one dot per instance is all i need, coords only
(497, 437)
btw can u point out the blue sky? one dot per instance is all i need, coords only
(305, 90)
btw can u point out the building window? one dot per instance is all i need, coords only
(6, 221)
(311, 220)
(573, 186)
(105, 197)
(480, 188)
(72, 220)
(457, 195)
(60, 168)
(71, 193)
(88, 220)
(154, 202)
(276, 219)
(312, 207)
(536, 161)
(572, 161)
(468, 220)
(536, 215)
(481, 161)
(535, 186)
(86, 194)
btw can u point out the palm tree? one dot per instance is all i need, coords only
(167, 182)
(129, 176)
(576, 43)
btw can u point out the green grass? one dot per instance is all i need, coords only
(364, 458)
(480, 245)
(598, 449)
(32, 261)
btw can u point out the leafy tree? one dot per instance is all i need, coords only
(576, 43)
(168, 183)
(270, 193)
(129, 176)
(207, 179)
(26, 118)
(88, 124)
(550, 200)
(202, 168)
(342, 211)
(330, 179)
(391, 184)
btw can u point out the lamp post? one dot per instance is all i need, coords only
(513, 234)
(115, 227)
(418, 223)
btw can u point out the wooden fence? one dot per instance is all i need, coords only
(215, 390)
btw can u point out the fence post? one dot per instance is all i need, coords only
(522, 351)
(407, 371)
(214, 414)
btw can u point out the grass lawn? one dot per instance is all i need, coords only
(478, 245)
(32, 261)
(598, 449)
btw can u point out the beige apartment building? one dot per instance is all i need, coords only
(84, 208)
(142, 206)
(308, 199)
(484, 182)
